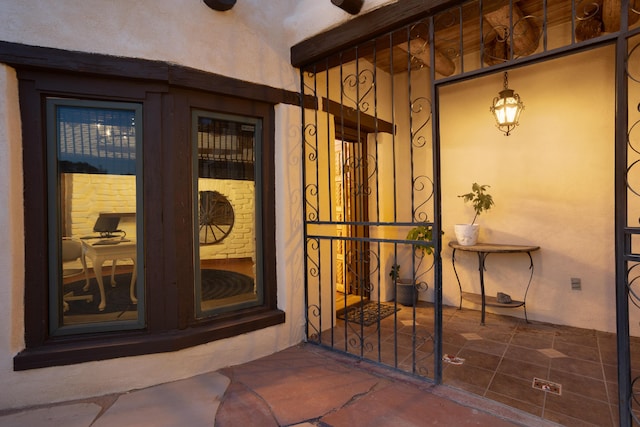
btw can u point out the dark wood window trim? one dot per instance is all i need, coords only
(166, 92)
(21, 56)
(363, 28)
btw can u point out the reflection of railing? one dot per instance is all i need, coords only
(96, 140)
(225, 149)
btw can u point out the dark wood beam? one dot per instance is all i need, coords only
(356, 119)
(51, 59)
(365, 27)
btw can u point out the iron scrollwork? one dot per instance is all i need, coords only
(356, 88)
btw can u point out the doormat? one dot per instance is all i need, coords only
(368, 313)
(546, 385)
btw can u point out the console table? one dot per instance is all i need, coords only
(104, 249)
(483, 250)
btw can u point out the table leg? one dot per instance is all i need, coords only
(113, 272)
(83, 259)
(133, 282)
(481, 258)
(97, 270)
(453, 263)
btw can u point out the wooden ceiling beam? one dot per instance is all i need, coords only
(363, 28)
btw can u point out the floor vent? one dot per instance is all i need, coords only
(548, 386)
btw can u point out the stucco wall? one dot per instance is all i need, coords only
(551, 178)
(249, 42)
(552, 181)
(246, 43)
(98, 378)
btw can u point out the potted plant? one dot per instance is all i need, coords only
(406, 290)
(467, 234)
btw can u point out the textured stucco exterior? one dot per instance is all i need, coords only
(550, 177)
(251, 42)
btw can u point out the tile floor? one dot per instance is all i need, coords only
(501, 360)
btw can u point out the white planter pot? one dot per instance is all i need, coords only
(466, 234)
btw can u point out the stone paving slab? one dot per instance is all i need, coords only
(405, 405)
(242, 407)
(191, 402)
(299, 386)
(68, 415)
(302, 386)
(310, 386)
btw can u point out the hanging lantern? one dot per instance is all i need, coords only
(506, 108)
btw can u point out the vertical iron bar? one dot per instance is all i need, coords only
(344, 195)
(332, 304)
(511, 54)
(461, 43)
(481, 29)
(437, 217)
(393, 124)
(544, 29)
(377, 199)
(622, 246)
(318, 201)
(574, 16)
(412, 168)
(395, 195)
(304, 205)
(359, 199)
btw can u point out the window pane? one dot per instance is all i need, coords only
(226, 217)
(94, 160)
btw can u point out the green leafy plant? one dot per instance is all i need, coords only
(395, 272)
(423, 233)
(420, 233)
(481, 200)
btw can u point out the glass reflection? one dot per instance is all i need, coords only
(93, 230)
(225, 207)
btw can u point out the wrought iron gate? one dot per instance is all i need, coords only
(368, 182)
(383, 94)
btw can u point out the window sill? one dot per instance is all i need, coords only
(72, 351)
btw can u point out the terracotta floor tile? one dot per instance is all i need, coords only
(496, 334)
(609, 355)
(503, 356)
(578, 351)
(464, 374)
(517, 387)
(567, 421)
(580, 407)
(588, 387)
(577, 366)
(479, 359)
(532, 340)
(610, 373)
(514, 402)
(527, 355)
(523, 370)
(585, 337)
(486, 346)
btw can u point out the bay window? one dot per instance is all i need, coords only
(149, 208)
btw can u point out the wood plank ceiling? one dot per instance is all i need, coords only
(527, 19)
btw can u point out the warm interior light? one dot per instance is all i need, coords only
(506, 108)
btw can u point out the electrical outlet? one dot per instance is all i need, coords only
(576, 283)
